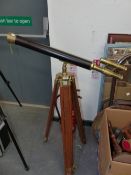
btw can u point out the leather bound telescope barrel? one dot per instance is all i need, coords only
(58, 54)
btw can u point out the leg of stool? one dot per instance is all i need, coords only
(66, 124)
(51, 110)
(78, 113)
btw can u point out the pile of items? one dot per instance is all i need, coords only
(120, 143)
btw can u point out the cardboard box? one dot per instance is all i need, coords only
(118, 118)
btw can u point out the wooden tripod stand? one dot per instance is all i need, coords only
(69, 106)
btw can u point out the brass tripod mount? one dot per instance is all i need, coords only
(64, 78)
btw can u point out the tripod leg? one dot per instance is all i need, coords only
(51, 111)
(66, 125)
(16, 145)
(78, 113)
(8, 85)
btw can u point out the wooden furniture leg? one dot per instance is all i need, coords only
(78, 113)
(66, 125)
(52, 106)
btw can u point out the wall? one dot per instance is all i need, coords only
(28, 72)
(35, 9)
(80, 27)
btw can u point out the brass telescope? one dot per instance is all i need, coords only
(111, 63)
(63, 56)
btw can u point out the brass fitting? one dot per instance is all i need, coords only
(111, 63)
(11, 37)
(106, 71)
(64, 68)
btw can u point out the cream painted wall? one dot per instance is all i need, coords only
(81, 27)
